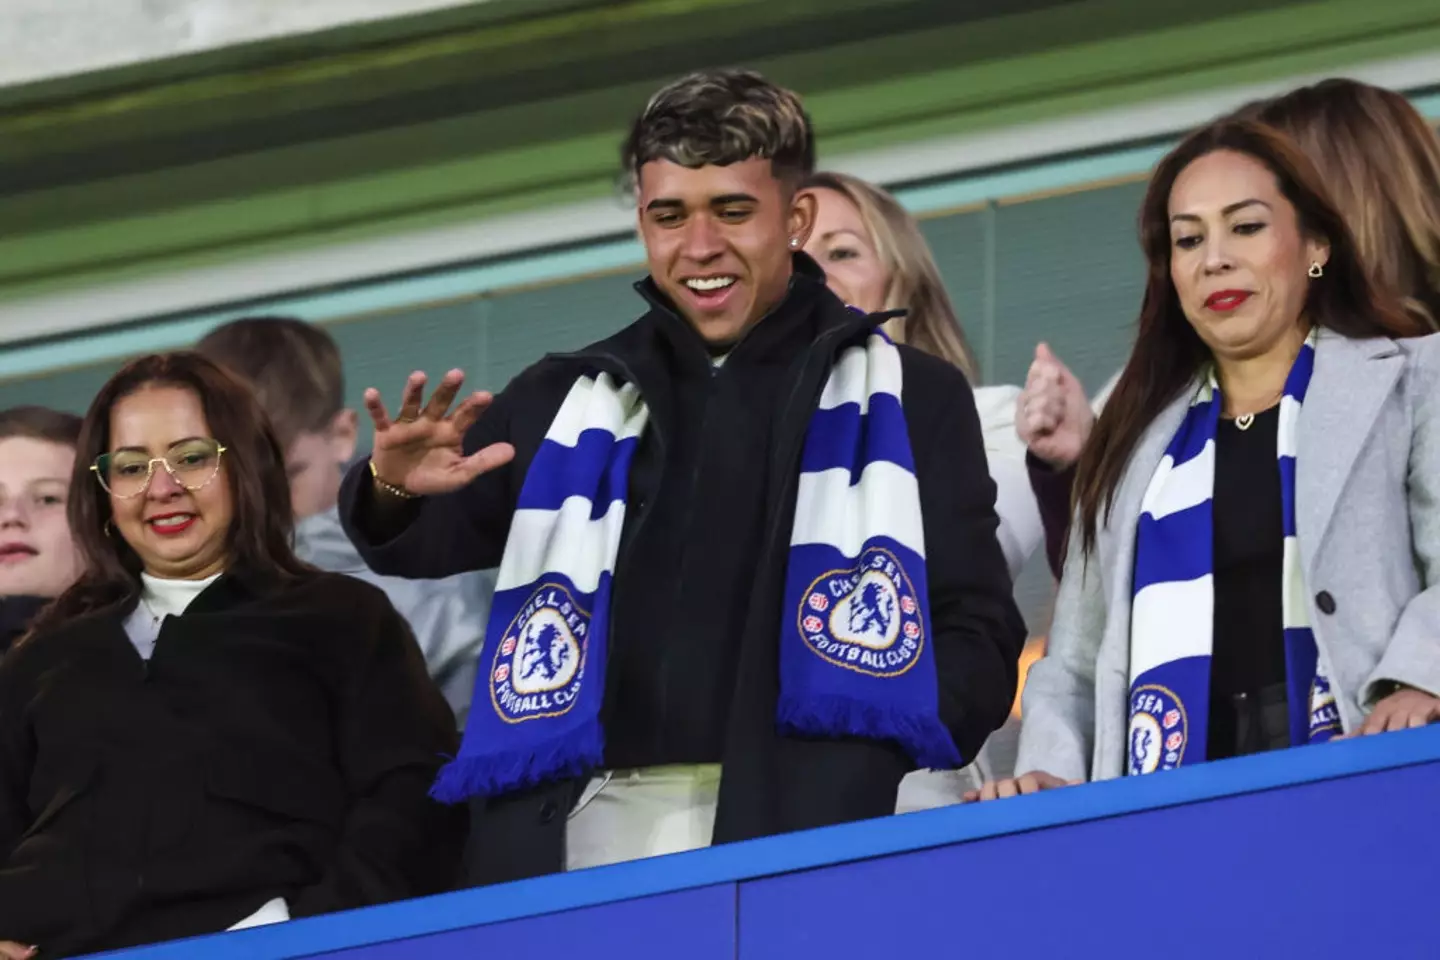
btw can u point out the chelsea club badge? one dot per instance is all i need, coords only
(865, 618)
(539, 662)
(1159, 729)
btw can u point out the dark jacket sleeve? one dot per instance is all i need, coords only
(394, 730)
(977, 628)
(1052, 490)
(16, 759)
(444, 535)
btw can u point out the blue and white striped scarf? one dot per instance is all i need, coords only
(855, 642)
(1172, 618)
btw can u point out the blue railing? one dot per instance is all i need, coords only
(1316, 852)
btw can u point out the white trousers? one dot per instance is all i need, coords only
(633, 814)
(273, 911)
(928, 789)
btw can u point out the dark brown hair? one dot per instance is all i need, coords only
(1168, 354)
(722, 117)
(40, 423)
(260, 534)
(1380, 161)
(293, 366)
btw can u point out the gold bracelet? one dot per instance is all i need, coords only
(388, 487)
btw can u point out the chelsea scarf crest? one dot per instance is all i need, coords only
(1172, 616)
(856, 657)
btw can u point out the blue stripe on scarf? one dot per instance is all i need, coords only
(843, 438)
(561, 472)
(1178, 548)
(1287, 504)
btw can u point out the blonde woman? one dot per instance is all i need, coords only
(875, 258)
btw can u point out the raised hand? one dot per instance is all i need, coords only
(421, 450)
(1053, 415)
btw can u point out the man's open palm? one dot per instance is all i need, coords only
(422, 449)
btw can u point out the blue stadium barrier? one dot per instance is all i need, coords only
(1323, 851)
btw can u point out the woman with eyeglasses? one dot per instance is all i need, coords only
(203, 732)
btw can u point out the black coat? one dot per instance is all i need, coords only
(279, 743)
(701, 568)
(15, 616)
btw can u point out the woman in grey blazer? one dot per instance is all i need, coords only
(1256, 545)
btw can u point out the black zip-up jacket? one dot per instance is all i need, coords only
(280, 742)
(693, 665)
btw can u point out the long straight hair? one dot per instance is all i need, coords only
(259, 538)
(1169, 354)
(930, 323)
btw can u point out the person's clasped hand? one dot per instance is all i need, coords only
(1053, 415)
(421, 450)
(10, 950)
(1025, 783)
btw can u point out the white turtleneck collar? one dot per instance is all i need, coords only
(160, 598)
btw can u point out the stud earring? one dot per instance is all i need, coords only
(794, 243)
(1316, 271)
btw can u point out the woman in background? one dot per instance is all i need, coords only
(38, 559)
(1380, 162)
(1378, 159)
(875, 259)
(203, 732)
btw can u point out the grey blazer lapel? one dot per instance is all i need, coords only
(1348, 389)
(1130, 495)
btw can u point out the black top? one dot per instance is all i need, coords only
(280, 742)
(1249, 650)
(700, 574)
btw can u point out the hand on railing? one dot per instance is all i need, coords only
(1402, 710)
(1026, 783)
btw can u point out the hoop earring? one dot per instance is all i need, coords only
(109, 528)
(1316, 271)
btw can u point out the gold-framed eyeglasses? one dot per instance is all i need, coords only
(127, 473)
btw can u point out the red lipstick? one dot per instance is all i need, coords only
(171, 524)
(1224, 301)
